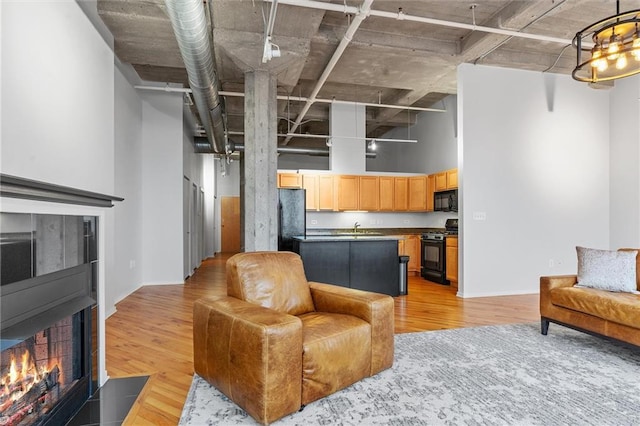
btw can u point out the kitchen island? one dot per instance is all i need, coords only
(365, 262)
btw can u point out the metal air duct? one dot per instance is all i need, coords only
(190, 27)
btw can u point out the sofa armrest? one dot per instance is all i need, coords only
(547, 284)
(374, 308)
(554, 281)
(250, 353)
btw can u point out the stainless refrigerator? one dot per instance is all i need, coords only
(292, 221)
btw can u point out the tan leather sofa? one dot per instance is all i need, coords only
(277, 342)
(611, 314)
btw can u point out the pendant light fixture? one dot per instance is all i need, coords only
(608, 49)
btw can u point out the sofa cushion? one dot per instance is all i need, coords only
(622, 308)
(272, 279)
(336, 353)
(607, 270)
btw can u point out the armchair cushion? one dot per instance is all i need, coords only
(332, 355)
(275, 280)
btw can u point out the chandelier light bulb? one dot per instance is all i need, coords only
(596, 56)
(603, 64)
(621, 62)
(614, 48)
(636, 47)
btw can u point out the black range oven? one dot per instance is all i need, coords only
(432, 252)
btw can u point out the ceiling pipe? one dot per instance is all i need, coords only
(361, 14)
(321, 152)
(190, 27)
(330, 101)
(292, 98)
(401, 16)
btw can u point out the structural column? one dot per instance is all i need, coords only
(260, 162)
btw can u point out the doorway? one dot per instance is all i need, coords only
(230, 224)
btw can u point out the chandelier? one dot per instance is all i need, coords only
(608, 49)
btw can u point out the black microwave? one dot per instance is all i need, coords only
(446, 201)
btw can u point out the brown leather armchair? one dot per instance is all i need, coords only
(277, 342)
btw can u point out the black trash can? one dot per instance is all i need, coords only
(403, 283)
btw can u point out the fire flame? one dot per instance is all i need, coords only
(20, 379)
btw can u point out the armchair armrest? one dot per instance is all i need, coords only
(250, 353)
(374, 308)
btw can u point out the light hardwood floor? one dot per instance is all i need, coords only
(151, 332)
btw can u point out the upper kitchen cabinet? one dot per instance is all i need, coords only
(452, 179)
(347, 187)
(320, 192)
(441, 181)
(310, 185)
(418, 193)
(431, 188)
(326, 193)
(446, 180)
(386, 192)
(289, 180)
(368, 193)
(400, 194)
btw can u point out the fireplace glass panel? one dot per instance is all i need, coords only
(32, 245)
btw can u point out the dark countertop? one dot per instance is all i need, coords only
(338, 237)
(375, 231)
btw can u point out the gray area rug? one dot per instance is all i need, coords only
(495, 375)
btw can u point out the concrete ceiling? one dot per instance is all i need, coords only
(388, 61)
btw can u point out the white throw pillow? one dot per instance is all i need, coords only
(607, 270)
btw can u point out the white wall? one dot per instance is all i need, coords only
(436, 149)
(534, 157)
(625, 157)
(162, 176)
(57, 115)
(57, 123)
(208, 184)
(127, 264)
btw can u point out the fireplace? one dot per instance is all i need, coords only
(48, 291)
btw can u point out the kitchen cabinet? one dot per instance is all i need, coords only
(289, 180)
(320, 191)
(386, 193)
(418, 193)
(452, 179)
(368, 193)
(368, 263)
(410, 246)
(446, 180)
(326, 192)
(431, 188)
(451, 256)
(347, 187)
(310, 185)
(400, 194)
(441, 181)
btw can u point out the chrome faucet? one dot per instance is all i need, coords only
(355, 227)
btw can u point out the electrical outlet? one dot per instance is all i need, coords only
(314, 222)
(551, 263)
(406, 221)
(479, 216)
